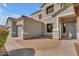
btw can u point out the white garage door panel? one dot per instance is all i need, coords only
(20, 30)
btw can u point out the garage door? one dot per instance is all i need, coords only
(20, 30)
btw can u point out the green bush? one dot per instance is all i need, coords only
(3, 37)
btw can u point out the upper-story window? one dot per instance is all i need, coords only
(40, 16)
(50, 9)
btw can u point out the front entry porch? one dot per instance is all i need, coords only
(67, 27)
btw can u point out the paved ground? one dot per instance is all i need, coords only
(44, 46)
(77, 48)
(3, 52)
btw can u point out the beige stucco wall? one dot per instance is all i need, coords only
(32, 28)
(47, 18)
(20, 22)
(9, 25)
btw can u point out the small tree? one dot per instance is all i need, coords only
(3, 37)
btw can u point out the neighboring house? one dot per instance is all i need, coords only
(56, 20)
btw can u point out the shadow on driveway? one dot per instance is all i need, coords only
(22, 52)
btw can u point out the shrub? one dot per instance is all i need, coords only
(3, 37)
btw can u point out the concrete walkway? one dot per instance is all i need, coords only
(11, 44)
(44, 47)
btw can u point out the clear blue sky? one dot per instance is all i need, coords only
(16, 10)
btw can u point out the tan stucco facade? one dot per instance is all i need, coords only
(9, 25)
(49, 18)
(31, 27)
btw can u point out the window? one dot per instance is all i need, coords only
(40, 16)
(50, 9)
(49, 27)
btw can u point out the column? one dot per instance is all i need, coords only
(55, 30)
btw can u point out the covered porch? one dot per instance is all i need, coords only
(67, 26)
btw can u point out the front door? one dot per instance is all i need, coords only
(70, 29)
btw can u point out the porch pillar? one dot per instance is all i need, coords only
(55, 30)
(77, 27)
(76, 9)
(55, 34)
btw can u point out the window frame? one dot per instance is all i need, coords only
(40, 16)
(48, 11)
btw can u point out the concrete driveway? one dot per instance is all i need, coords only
(44, 46)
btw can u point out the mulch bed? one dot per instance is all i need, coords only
(3, 52)
(77, 48)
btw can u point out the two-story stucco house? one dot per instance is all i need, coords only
(53, 19)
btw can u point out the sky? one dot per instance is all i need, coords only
(16, 10)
